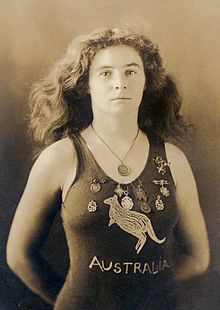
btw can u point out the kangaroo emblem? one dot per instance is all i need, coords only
(134, 223)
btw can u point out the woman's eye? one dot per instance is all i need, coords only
(130, 72)
(106, 74)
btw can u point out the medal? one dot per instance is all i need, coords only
(161, 164)
(145, 207)
(119, 191)
(95, 187)
(127, 203)
(123, 170)
(163, 189)
(92, 206)
(139, 192)
(159, 203)
(141, 196)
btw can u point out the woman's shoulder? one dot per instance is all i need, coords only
(174, 152)
(58, 152)
(59, 149)
(177, 160)
(56, 159)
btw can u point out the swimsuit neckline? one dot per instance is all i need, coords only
(103, 171)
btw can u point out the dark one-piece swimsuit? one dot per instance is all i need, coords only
(120, 236)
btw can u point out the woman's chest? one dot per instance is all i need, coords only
(145, 208)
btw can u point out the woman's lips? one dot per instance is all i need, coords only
(120, 98)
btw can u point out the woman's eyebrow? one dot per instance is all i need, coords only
(132, 64)
(104, 67)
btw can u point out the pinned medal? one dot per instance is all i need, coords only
(123, 170)
(163, 189)
(95, 186)
(127, 202)
(139, 193)
(161, 164)
(92, 206)
(159, 203)
(119, 190)
(145, 207)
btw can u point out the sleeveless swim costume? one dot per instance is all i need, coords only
(120, 236)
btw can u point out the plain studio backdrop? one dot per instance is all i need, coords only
(34, 33)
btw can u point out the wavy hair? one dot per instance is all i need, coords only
(60, 104)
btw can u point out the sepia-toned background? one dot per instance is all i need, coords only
(34, 33)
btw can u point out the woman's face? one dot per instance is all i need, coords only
(116, 80)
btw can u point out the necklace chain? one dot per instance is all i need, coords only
(132, 144)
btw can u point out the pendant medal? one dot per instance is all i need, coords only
(159, 203)
(123, 170)
(139, 193)
(145, 207)
(95, 187)
(127, 203)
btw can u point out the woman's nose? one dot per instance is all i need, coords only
(120, 87)
(120, 83)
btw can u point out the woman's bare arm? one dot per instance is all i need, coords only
(191, 227)
(34, 217)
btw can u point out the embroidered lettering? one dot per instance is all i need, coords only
(106, 268)
(154, 269)
(137, 266)
(95, 262)
(165, 264)
(117, 268)
(147, 268)
(127, 266)
(150, 268)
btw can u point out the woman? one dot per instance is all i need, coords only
(129, 200)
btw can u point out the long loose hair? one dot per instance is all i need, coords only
(60, 103)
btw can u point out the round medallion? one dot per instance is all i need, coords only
(127, 203)
(95, 187)
(123, 170)
(145, 207)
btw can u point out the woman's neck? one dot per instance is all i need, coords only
(124, 129)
